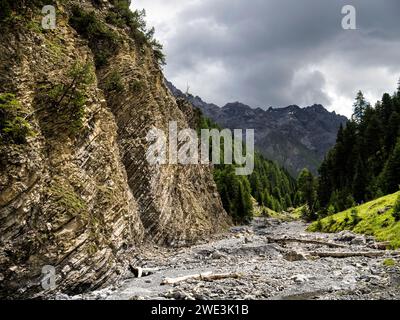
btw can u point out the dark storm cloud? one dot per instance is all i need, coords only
(279, 52)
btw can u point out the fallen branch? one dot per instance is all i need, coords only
(380, 245)
(222, 276)
(206, 276)
(307, 241)
(348, 254)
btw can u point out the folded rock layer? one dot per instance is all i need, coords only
(84, 201)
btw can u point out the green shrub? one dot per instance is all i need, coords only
(158, 53)
(14, 128)
(7, 7)
(135, 20)
(330, 222)
(66, 101)
(265, 212)
(396, 210)
(331, 210)
(114, 82)
(102, 40)
(101, 58)
(355, 217)
(307, 214)
(318, 225)
(5, 10)
(114, 19)
(122, 16)
(136, 85)
(389, 263)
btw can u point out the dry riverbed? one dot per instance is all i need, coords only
(275, 260)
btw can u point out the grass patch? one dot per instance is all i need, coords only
(374, 218)
(34, 26)
(396, 209)
(297, 213)
(290, 215)
(14, 128)
(389, 263)
(71, 202)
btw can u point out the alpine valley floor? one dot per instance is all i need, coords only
(270, 259)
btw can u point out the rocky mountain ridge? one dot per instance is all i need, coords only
(294, 137)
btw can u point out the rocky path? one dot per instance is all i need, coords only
(276, 260)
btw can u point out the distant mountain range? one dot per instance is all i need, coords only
(294, 137)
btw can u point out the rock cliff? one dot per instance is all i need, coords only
(76, 192)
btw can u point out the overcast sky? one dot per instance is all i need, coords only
(278, 52)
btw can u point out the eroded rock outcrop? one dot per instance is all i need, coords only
(82, 200)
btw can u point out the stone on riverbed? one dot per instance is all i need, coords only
(294, 256)
(300, 278)
(345, 236)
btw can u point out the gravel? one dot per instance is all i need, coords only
(270, 271)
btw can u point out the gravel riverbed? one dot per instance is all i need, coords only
(272, 264)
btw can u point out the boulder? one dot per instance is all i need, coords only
(300, 278)
(294, 256)
(345, 236)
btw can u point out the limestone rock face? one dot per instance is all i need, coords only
(84, 202)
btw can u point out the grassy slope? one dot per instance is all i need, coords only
(261, 211)
(382, 226)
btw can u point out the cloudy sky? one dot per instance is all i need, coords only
(278, 52)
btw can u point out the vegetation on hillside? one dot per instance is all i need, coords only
(122, 16)
(365, 162)
(270, 185)
(103, 41)
(379, 218)
(14, 128)
(9, 8)
(306, 195)
(67, 100)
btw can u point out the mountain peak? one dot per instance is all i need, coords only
(294, 137)
(317, 108)
(237, 104)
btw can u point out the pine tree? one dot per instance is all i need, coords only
(372, 144)
(398, 88)
(269, 203)
(365, 162)
(236, 192)
(359, 107)
(393, 127)
(307, 188)
(392, 171)
(386, 107)
(360, 181)
(244, 205)
(288, 201)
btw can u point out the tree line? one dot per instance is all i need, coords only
(363, 165)
(269, 184)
